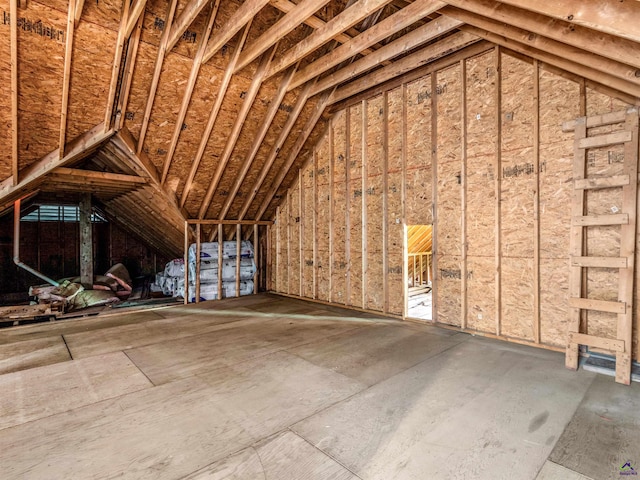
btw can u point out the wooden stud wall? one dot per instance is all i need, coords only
(482, 140)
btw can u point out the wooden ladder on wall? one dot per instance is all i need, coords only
(578, 334)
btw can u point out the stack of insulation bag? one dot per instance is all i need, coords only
(171, 281)
(209, 270)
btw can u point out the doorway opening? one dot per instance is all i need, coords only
(419, 271)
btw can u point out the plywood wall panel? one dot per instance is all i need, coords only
(449, 207)
(448, 289)
(517, 104)
(395, 228)
(559, 102)
(480, 206)
(517, 298)
(308, 227)
(481, 293)
(481, 108)
(554, 301)
(339, 266)
(324, 211)
(419, 184)
(355, 206)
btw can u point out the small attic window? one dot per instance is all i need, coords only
(60, 213)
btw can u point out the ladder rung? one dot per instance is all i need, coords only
(594, 220)
(596, 120)
(598, 342)
(602, 182)
(598, 305)
(605, 140)
(599, 262)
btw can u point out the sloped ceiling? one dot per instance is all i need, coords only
(174, 109)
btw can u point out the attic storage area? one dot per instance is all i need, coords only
(270, 162)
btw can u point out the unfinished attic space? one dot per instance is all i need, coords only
(319, 239)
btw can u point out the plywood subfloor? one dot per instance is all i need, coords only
(280, 389)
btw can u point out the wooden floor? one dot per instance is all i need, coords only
(265, 387)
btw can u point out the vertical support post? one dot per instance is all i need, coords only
(278, 287)
(256, 259)
(403, 193)
(385, 202)
(220, 251)
(536, 202)
(365, 173)
(86, 241)
(238, 257)
(315, 223)
(300, 234)
(463, 200)
(198, 261)
(331, 209)
(13, 16)
(434, 175)
(186, 262)
(268, 263)
(498, 194)
(347, 207)
(289, 195)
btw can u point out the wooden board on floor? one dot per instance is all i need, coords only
(284, 456)
(606, 412)
(32, 353)
(77, 383)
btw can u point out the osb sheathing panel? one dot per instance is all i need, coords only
(355, 206)
(374, 153)
(323, 215)
(282, 277)
(449, 208)
(481, 105)
(448, 289)
(517, 298)
(339, 267)
(517, 104)
(554, 301)
(481, 284)
(481, 206)
(419, 197)
(395, 228)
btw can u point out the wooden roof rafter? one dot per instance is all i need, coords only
(213, 115)
(191, 83)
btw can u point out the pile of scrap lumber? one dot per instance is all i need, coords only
(115, 285)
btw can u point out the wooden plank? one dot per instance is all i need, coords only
(536, 202)
(238, 257)
(279, 30)
(403, 194)
(347, 207)
(15, 165)
(396, 22)
(598, 305)
(365, 175)
(400, 46)
(331, 206)
(594, 220)
(464, 307)
(628, 240)
(315, 222)
(385, 202)
(220, 245)
(188, 92)
(288, 264)
(134, 15)
(186, 262)
(561, 30)
(269, 255)
(411, 62)
(346, 19)
(295, 150)
(258, 139)
(301, 233)
(597, 120)
(115, 68)
(513, 31)
(228, 222)
(86, 241)
(187, 16)
(598, 342)
(32, 353)
(599, 262)
(213, 115)
(617, 19)
(162, 51)
(241, 18)
(601, 182)
(198, 263)
(257, 258)
(79, 7)
(605, 140)
(131, 57)
(434, 186)
(498, 192)
(89, 176)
